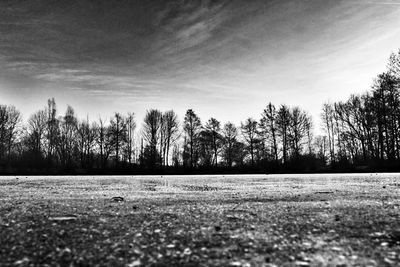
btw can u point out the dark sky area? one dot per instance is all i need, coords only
(224, 59)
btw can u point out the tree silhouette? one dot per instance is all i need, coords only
(151, 132)
(230, 134)
(250, 133)
(191, 127)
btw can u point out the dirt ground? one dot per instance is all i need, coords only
(250, 220)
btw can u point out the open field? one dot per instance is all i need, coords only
(262, 220)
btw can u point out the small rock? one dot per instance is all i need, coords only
(64, 218)
(117, 199)
(302, 263)
(377, 234)
(187, 251)
(24, 260)
(389, 261)
(135, 263)
(392, 255)
(217, 228)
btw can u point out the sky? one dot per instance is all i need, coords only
(223, 59)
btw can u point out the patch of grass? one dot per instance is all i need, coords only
(313, 220)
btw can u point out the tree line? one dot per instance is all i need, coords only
(361, 133)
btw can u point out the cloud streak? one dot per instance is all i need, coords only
(211, 55)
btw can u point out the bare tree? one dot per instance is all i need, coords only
(230, 138)
(299, 127)
(118, 135)
(327, 116)
(283, 121)
(67, 137)
(10, 119)
(310, 136)
(250, 133)
(394, 64)
(170, 133)
(52, 128)
(269, 125)
(192, 127)
(131, 126)
(151, 133)
(352, 114)
(104, 141)
(36, 130)
(213, 129)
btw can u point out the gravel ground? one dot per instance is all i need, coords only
(246, 220)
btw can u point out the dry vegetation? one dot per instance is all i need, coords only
(282, 220)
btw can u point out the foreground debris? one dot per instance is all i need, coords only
(241, 222)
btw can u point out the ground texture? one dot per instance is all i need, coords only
(270, 220)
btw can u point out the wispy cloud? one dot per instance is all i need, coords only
(207, 53)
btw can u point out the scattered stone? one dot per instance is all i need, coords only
(301, 263)
(354, 257)
(117, 199)
(23, 261)
(392, 255)
(378, 234)
(64, 218)
(135, 263)
(389, 261)
(187, 251)
(337, 249)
